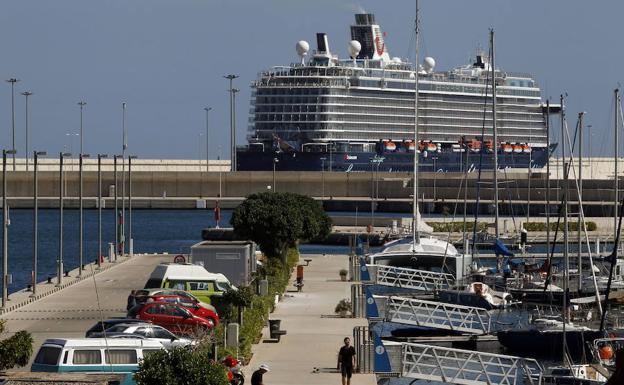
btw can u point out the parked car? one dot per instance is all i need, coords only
(143, 294)
(145, 330)
(193, 306)
(192, 278)
(103, 325)
(172, 317)
(94, 355)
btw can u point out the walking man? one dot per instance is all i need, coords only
(256, 377)
(346, 361)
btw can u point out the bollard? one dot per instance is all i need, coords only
(231, 340)
(264, 287)
(111, 252)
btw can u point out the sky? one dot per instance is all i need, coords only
(166, 60)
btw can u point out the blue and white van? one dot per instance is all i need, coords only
(94, 355)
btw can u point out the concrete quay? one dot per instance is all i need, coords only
(308, 353)
(70, 310)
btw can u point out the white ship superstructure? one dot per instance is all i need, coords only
(365, 103)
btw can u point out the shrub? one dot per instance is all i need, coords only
(180, 366)
(342, 306)
(15, 350)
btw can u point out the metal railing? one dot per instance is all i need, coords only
(466, 367)
(364, 349)
(428, 281)
(411, 311)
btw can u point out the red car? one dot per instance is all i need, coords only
(193, 306)
(171, 316)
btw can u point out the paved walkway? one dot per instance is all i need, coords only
(70, 311)
(314, 332)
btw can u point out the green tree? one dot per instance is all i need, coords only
(276, 221)
(180, 366)
(15, 350)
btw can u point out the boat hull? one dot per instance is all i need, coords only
(249, 160)
(547, 344)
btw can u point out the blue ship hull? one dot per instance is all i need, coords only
(392, 161)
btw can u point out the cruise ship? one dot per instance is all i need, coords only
(357, 114)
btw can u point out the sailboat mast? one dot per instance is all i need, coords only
(547, 176)
(580, 200)
(616, 190)
(565, 229)
(415, 234)
(495, 137)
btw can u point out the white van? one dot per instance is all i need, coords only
(188, 277)
(93, 355)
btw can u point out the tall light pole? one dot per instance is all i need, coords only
(323, 179)
(99, 256)
(80, 204)
(5, 230)
(13, 81)
(275, 161)
(59, 261)
(124, 146)
(27, 94)
(219, 158)
(36, 155)
(116, 206)
(207, 109)
(81, 104)
(131, 244)
(231, 78)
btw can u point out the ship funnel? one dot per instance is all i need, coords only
(322, 43)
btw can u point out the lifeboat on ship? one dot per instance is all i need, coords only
(409, 145)
(473, 145)
(432, 147)
(489, 145)
(507, 148)
(526, 148)
(517, 148)
(389, 146)
(421, 146)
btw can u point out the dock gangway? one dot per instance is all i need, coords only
(466, 367)
(439, 315)
(453, 366)
(418, 280)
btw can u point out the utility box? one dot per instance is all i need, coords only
(234, 259)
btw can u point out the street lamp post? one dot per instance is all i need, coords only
(5, 230)
(435, 175)
(131, 240)
(323, 179)
(116, 206)
(122, 239)
(275, 160)
(80, 204)
(99, 256)
(219, 158)
(207, 109)
(232, 91)
(27, 94)
(59, 261)
(81, 104)
(13, 81)
(36, 155)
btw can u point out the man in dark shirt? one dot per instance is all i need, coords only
(346, 361)
(256, 377)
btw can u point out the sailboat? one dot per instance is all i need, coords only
(421, 251)
(554, 336)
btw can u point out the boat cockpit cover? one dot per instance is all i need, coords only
(501, 249)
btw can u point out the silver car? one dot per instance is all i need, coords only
(149, 331)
